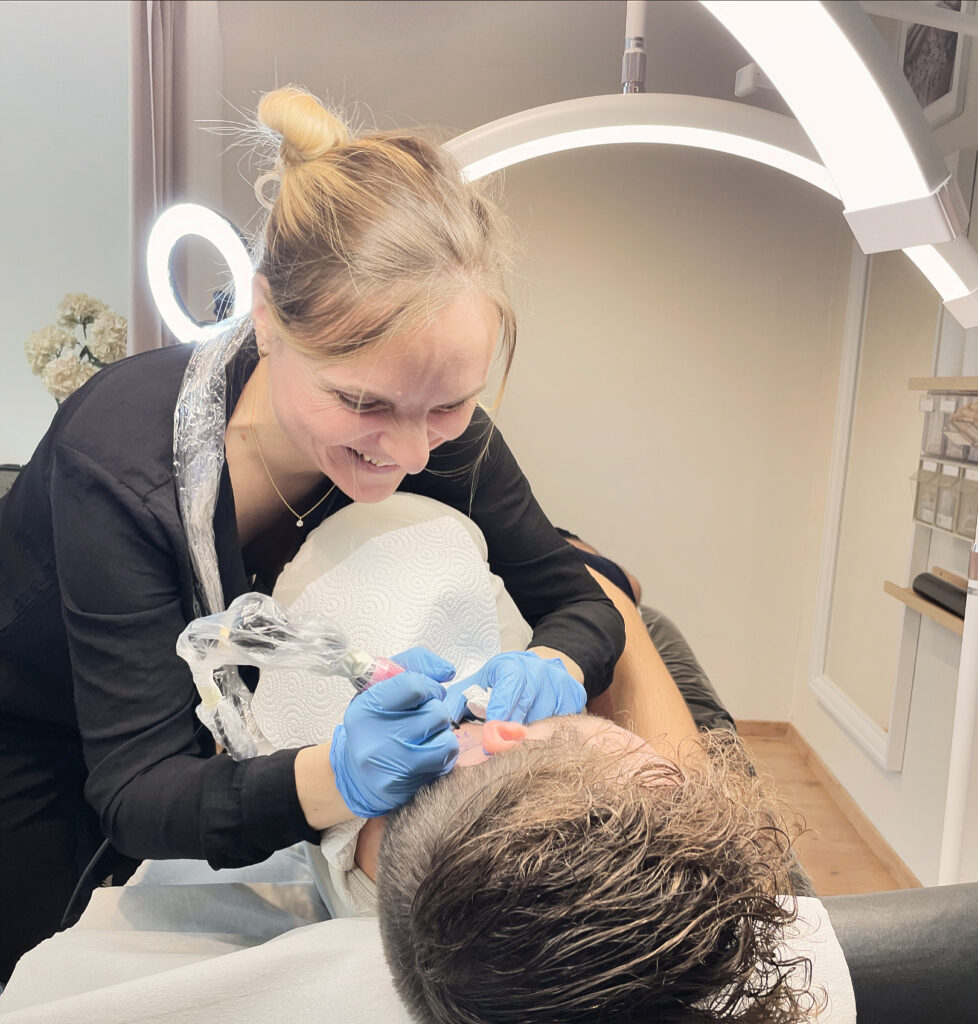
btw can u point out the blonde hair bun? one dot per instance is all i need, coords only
(307, 128)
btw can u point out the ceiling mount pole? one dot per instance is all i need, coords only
(633, 61)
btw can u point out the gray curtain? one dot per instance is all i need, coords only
(158, 126)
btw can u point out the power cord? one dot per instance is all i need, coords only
(86, 874)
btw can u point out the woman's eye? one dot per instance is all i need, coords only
(355, 404)
(457, 407)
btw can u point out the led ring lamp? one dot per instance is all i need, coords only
(173, 225)
(865, 140)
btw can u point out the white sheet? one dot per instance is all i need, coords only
(813, 936)
(209, 948)
(233, 952)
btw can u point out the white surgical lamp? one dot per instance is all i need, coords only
(664, 118)
(834, 71)
(190, 219)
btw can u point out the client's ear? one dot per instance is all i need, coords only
(499, 736)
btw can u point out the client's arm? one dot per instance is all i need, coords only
(573, 669)
(642, 694)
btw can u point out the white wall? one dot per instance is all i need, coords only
(64, 176)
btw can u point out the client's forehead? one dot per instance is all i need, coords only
(585, 724)
(590, 728)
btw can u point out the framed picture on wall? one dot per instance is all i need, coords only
(935, 63)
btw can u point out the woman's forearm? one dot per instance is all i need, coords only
(316, 787)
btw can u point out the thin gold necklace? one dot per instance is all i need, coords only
(300, 519)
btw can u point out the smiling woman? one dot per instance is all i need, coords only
(380, 303)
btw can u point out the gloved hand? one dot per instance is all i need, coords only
(525, 688)
(420, 659)
(395, 737)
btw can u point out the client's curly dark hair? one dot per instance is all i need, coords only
(561, 882)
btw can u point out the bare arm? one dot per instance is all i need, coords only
(643, 696)
(316, 786)
(572, 667)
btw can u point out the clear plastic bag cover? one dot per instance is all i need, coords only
(199, 424)
(227, 725)
(256, 630)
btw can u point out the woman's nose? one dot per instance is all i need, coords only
(408, 445)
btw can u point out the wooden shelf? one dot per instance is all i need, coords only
(943, 384)
(924, 607)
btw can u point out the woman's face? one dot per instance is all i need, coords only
(369, 421)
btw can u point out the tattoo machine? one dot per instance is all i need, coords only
(256, 630)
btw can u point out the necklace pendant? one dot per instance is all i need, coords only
(300, 523)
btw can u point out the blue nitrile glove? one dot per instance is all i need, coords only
(525, 688)
(395, 737)
(420, 659)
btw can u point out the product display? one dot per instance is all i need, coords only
(925, 506)
(933, 442)
(955, 443)
(966, 518)
(947, 496)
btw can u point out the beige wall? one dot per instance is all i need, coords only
(673, 392)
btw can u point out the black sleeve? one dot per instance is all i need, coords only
(568, 611)
(155, 789)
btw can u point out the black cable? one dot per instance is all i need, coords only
(86, 874)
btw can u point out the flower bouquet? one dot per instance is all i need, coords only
(64, 361)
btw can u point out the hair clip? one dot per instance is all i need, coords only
(261, 182)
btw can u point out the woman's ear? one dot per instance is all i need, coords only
(259, 312)
(499, 736)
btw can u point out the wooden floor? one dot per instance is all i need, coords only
(837, 860)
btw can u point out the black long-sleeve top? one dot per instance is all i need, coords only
(96, 585)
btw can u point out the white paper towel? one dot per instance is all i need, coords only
(426, 584)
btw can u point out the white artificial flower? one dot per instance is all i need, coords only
(44, 345)
(78, 308)
(63, 375)
(106, 338)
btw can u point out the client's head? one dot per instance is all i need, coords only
(570, 879)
